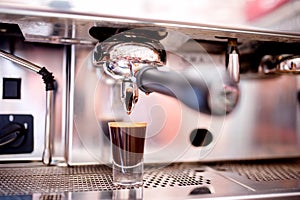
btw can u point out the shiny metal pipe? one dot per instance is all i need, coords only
(20, 61)
(232, 60)
(48, 149)
(234, 66)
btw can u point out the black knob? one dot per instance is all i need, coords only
(12, 134)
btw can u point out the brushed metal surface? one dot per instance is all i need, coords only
(176, 181)
(33, 98)
(55, 25)
(38, 179)
(264, 124)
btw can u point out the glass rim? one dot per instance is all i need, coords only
(127, 124)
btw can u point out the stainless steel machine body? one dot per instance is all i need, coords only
(264, 125)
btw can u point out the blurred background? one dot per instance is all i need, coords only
(279, 15)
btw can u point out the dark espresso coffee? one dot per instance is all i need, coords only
(104, 126)
(128, 141)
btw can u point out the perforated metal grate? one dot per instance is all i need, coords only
(264, 171)
(43, 179)
(168, 177)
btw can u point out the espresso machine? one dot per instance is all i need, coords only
(221, 102)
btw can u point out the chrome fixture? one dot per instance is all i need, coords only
(281, 64)
(135, 57)
(232, 60)
(290, 64)
(123, 55)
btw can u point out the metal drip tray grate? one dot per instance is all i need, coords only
(175, 175)
(264, 171)
(43, 179)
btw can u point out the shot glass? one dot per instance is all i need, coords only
(127, 146)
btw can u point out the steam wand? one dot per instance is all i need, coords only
(50, 88)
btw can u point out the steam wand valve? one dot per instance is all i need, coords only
(50, 88)
(232, 60)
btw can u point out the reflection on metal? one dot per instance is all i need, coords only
(289, 65)
(128, 193)
(49, 137)
(282, 64)
(20, 61)
(232, 60)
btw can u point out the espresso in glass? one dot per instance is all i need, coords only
(127, 145)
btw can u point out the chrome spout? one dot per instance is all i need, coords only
(123, 55)
(134, 61)
(232, 60)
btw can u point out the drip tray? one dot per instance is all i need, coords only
(263, 179)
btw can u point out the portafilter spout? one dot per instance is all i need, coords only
(135, 61)
(122, 56)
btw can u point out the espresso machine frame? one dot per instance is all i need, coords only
(254, 151)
